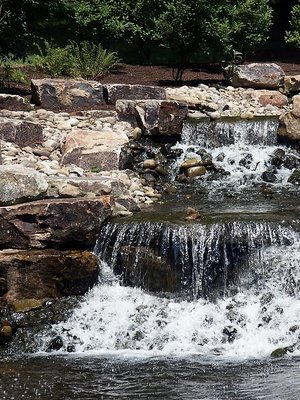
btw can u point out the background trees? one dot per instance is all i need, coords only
(293, 34)
(145, 31)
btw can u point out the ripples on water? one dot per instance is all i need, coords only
(91, 378)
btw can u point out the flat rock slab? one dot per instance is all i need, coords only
(134, 92)
(258, 75)
(23, 133)
(19, 184)
(13, 102)
(41, 274)
(57, 94)
(95, 149)
(154, 117)
(54, 223)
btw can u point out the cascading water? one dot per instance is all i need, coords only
(243, 153)
(254, 266)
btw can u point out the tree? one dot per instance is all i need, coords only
(23, 22)
(132, 20)
(212, 27)
(293, 35)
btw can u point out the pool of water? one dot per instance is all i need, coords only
(126, 377)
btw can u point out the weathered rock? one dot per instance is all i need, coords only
(258, 75)
(53, 223)
(134, 92)
(154, 117)
(150, 163)
(90, 149)
(189, 163)
(292, 83)
(23, 133)
(192, 214)
(269, 176)
(295, 177)
(66, 93)
(195, 171)
(13, 102)
(291, 121)
(32, 275)
(273, 98)
(19, 184)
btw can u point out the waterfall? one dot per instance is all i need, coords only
(250, 269)
(210, 134)
(241, 152)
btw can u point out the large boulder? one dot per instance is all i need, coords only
(13, 102)
(40, 274)
(134, 92)
(154, 117)
(95, 149)
(56, 223)
(62, 94)
(23, 133)
(19, 184)
(290, 121)
(258, 75)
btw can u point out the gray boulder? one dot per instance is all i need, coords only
(19, 184)
(258, 75)
(62, 94)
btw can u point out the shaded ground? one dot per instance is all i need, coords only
(149, 75)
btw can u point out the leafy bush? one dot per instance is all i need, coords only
(91, 61)
(293, 35)
(86, 60)
(53, 60)
(10, 72)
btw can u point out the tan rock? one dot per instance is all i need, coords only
(90, 149)
(195, 171)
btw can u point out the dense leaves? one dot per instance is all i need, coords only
(293, 35)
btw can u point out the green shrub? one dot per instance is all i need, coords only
(53, 60)
(10, 72)
(91, 61)
(293, 35)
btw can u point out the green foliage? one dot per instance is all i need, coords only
(10, 72)
(22, 22)
(53, 60)
(85, 60)
(132, 20)
(91, 61)
(293, 35)
(230, 65)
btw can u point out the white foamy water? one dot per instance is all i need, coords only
(244, 149)
(124, 320)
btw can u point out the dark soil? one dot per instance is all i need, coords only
(148, 75)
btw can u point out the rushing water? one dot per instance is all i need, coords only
(186, 310)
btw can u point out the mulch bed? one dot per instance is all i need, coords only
(150, 75)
